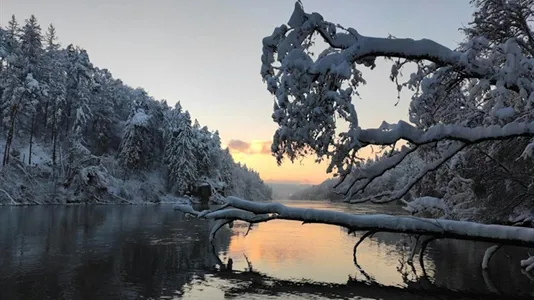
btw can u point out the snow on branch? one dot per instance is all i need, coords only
(404, 131)
(488, 254)
(370, 173)
(528, 264)
(312, 91)
(397, 195)
(254, 212)
(357, 48)
(439, 132)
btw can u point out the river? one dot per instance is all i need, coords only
(153, 252)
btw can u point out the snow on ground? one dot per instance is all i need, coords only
(425, 203)
(40, 156)
(101, 183)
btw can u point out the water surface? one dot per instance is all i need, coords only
(153, 252)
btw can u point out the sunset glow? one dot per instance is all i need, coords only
(256, 154)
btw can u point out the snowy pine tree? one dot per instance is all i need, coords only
(79, 85)
(55, 100)
(181, 158)
(133, 150)
(32, 51)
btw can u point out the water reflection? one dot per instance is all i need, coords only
(149, 252)
(97, 252)
(290, 251)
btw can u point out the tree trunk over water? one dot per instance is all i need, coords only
(255, 212)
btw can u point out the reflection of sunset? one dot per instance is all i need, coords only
(287, 249)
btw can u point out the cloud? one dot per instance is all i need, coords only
(238, 145)
(252, 147)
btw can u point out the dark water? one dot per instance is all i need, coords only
(153, 252)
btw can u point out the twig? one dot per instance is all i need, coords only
(249, 264)
(249, 228)
(10, 198)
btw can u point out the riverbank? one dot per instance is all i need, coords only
(94, 181)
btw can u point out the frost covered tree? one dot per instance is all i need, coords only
(226, 169)
(102, 105)
(54, 74)
(204, 149)
(32, 51)
(215, 156)
(312, 92)
(181, 158)
(87, 127)
(134, 147)
(79, 85)
(483, 89)
(12, 81)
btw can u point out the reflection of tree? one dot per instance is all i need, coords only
(503, 276)
(252, 282)
(450, 274)
(414, 278)
(96, 252)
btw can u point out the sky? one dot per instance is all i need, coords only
(206, 54)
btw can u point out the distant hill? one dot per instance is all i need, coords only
(322, 191)
(284, 190)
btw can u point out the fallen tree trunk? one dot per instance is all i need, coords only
(256, 212)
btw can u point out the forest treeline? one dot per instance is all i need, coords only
(71, 132)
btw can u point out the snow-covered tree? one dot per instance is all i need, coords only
(313, 92)
(88, 127)
(12, 83)
(181, 158)
(484, 90)
(134, 147)
(215, 156)
(79, 86)
(203, 145)
(227, 165)
(101, 131)
(32, 51)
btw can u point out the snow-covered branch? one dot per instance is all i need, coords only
(376, 170)
(439, 132)
(356, 48)
(397, 195)
(404, 131)
(255, 212)
(488, 254)
(314, 91)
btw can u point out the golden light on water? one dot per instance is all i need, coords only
(289, 250)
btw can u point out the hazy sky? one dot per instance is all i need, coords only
(206, 54)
